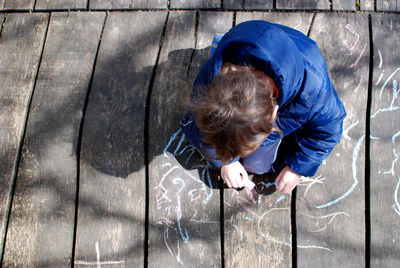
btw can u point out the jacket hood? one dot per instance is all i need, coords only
(266, 47)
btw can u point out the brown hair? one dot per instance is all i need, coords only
(235, 113)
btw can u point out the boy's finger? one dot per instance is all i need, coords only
(280, 186)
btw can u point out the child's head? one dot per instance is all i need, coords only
(238, 111)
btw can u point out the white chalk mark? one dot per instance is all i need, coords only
(380, 78)
(162, 194)
(97, 263)
(396, 205)
(395, 92)
(240, 231)
(314, 247)
(359, 57)
(166, 165)
(373, 137)
(346, 131)
(270, 238)
(391, 171)
(173, 137)
(380, 59)
(332, 216)
(310, 182)
(356, 150)
(282, 197)
(395, 137)
(387, 80)
(388, 109)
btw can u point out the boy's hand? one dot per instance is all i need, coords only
(234, 175)
(287, 180)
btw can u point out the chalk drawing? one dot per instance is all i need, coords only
(346, 42)
(314, 247)
(171, 140)
(331, 216)
(354, 171)
(395, 94)
(380, 59)
(239, 230)
(304, 181)
(267, 237)
(98, 262)
(282, 197)
(359, 85)
(346, 131)
(396, 205)
(387, 80)
(359, 57)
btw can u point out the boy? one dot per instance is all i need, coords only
(263, 82)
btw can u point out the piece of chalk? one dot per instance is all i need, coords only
(248, 184)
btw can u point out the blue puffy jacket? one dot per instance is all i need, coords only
(308, 103)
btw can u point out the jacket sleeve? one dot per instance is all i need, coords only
(318, 136)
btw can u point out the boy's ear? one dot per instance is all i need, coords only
(275, 112)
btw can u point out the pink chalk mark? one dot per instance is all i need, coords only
(359, 57)
(359, 85)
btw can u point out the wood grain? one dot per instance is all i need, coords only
(302, 4)
(344, 5)
(258, 223)
(195, 4)
(21, 45)
(184, 198)
(60, 4)
(43, 209)
(367, 5)
(330, 206)
(385, 142)
(112, 192)
(259, 4)
(387, 5)
(127, 4)
(233, 4)
(20, 4)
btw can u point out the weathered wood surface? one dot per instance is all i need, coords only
(344, 5)
(21, 44)
(302, 4)
(2, 4)
(195, 4)
(258, 4)
(385, 142)
(367, 5)
(19, 4)
(387, 5)
(41, 227)
(1, 22)
(330, 206)
(184, 221)
(233, 4)
(112, 192)
(127, 4)
(258, 223)
(60, 4)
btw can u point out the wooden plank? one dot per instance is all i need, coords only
(257, 223)
(298, 21)
(2, 4)
(387, 5)
(259, 4)
(233, 4)
(20, 4)
(302, 4)
(195, 4)
(344, 5)
(21, 44)
(1, 21)
(385, 140)
(60, 4)
(127, 4)
(330, 206)
(367, 5)
(112, 192)
(41, 226)
(184, 212)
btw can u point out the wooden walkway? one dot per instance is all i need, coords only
(94, 171)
